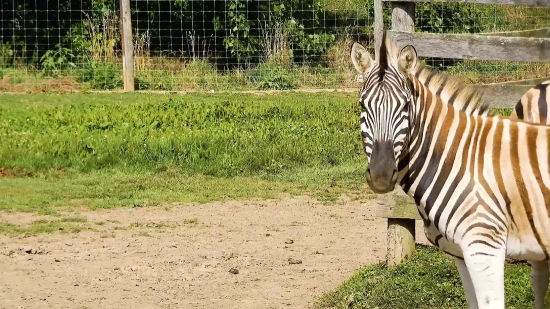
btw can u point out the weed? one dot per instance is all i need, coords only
(144, 234)
(191, 221)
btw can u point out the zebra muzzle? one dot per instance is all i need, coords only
(382, 171)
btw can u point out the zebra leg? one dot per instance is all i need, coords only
(539, 281)
(467, 283)
(485, 264)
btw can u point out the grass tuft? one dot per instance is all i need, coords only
(429, 280)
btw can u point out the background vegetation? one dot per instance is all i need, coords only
(227, 45)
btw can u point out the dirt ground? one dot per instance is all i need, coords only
(282, 253)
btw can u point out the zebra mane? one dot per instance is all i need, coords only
(450, 89)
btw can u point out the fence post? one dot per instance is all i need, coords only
(402, 16)
(378, 27)
(127, 45)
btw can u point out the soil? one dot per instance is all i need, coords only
(280, 253)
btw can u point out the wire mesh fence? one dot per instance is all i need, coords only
(185, 45)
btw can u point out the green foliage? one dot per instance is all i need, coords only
(102, 76)
(504, 112)
(273, 75)
(53, 61)
(440, 17)
(6, 56)
(279, 79)
(429, 280)
(239, 41)
(216, 134)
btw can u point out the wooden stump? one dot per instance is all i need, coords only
(401, 240)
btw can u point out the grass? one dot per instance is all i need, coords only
(47, 195)
(217, 135)
(429, 280)
(41, 227)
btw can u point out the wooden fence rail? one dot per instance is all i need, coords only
(510, 2)
(400, 211)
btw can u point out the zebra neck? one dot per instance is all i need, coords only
(431, 125)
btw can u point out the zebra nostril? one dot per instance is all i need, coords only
(368, 174)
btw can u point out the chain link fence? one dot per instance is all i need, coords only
(234, 45)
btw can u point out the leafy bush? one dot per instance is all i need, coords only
(53, 61)
(275, 77)
(276, 73)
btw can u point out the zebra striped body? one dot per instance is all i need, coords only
(533, 105)
(481, 183)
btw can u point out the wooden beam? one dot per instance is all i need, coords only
(512, 2)
(503, 96)
(378, 27)
(533, 33)
(475, 47)
(127, 45)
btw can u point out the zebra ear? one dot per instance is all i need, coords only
(361, 59)
(407, 58)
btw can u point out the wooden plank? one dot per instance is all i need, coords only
(378, 27)
(402, 17)
(533, 33)
(127, 45)
(502, 95)
(397, 206)
(475, 47)
(511, 2)
(522, 82)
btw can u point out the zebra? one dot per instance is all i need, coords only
(533, 105)
(462, 167)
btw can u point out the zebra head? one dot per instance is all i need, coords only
(385, 100)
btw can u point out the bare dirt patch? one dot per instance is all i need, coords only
(253, 254)
(12, 173)
(40, 85)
